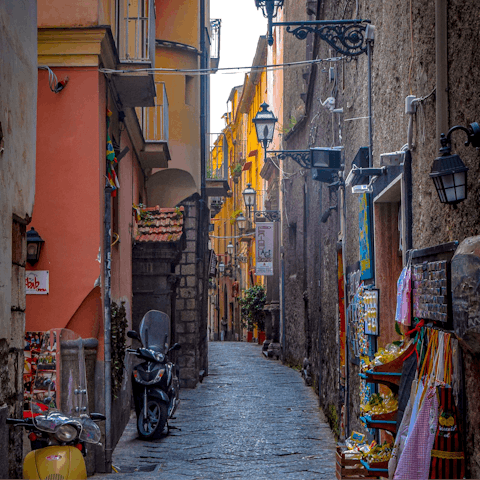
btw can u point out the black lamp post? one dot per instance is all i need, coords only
(449, 173)
(34, 246)
(265, 126)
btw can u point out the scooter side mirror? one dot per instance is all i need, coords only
(133, 334)
(97, 417)
(177, 346)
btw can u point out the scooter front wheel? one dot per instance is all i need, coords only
(153, 425)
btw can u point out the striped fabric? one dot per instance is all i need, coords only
(448, 459)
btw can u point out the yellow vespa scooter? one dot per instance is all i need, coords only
(60, 427)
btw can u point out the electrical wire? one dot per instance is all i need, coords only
(209, 71)
(233, 236)
(53, 83)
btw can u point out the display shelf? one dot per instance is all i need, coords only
(376, 468)
(396, 365)
(384, 421)
(350, 468)
(389, 379)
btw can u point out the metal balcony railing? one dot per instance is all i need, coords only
(217, 167)
(154, 120)
(136, 31)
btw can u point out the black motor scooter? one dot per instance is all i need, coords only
(155, 380)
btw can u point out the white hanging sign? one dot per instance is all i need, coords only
(36, 282)
(264, 248)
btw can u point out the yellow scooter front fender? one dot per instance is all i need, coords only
(56, 462)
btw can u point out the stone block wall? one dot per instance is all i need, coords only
(191, 300)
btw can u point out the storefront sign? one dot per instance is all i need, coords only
(264, 248)
(213, 264)
(365, 240)
(36, 282)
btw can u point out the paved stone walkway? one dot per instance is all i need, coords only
(251, 418)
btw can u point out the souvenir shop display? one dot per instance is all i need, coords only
(424, 436)
(40, 372)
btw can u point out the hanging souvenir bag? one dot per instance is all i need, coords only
(404, 287)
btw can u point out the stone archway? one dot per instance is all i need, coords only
(168, 187)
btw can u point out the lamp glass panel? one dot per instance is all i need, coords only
(320, 159)
(241, 222)
(450, 193)
(461, 192)
(460, 178)
(32, 249)
(439, 187)
(448, 181)
(265, 129)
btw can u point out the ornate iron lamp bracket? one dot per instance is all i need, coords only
(270, 215)
(347, 37)
(302, 157)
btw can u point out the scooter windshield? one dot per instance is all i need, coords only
(60, 388)
(155, 331)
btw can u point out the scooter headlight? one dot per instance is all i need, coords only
(145, 381)
(66, 433)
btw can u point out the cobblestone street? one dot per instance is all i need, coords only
(251, 418)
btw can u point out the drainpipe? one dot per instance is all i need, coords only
(203, 130)
(441, 62)
(107, 330)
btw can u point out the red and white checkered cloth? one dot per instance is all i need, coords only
(414, 463)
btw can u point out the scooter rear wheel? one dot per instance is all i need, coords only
(152, 426)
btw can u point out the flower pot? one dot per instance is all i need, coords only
(261, 337)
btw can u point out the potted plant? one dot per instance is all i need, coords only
(236, 172)
(252, 304)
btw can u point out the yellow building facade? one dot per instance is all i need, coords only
(238, 146)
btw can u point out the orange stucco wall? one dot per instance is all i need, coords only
(68, 205)
(177, 21)
(71, 13)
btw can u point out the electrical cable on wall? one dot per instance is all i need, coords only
(225, 70)
(55, 85)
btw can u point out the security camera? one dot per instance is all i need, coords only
(329, 104)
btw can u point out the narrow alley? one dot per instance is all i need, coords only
(250, 418)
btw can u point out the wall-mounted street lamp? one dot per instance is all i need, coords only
(230, 248)
(249, 196)
(324, 162)
(348, 37)
(241, 222)
(264, 126)
(449, 173)
(221, 267)
(34, 246)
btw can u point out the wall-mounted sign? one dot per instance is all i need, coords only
(264, 248)
(365, 240)
(212, 272)
(36, 282)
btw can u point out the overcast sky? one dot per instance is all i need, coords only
(242, 24)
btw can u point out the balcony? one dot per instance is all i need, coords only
(135, 41)
(154, 125)
(217, 168)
